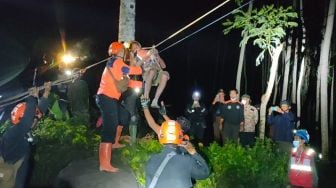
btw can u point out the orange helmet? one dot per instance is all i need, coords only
(170, 133)
(18, 112)
(115, 48)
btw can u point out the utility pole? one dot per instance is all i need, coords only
(126, 20)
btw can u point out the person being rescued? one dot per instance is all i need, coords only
(15, 147)
(302, 169)
(114, 115)
(170, 166)
(153, 66)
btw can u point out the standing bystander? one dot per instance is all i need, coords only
(250, 120)
(233, 115)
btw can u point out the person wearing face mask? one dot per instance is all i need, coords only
(196, 113)
(282, 121)
(247, 133)
(233, 115)
(302, 169)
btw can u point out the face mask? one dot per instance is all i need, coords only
(296, 143)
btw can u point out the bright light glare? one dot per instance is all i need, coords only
(68, 72)
(320, 156)
(68, 58)
(0, 96)
(196, 94)
(126, 45)
(137, 90)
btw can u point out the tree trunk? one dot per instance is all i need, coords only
(274, 66)
(331, 121)
(126, 20)
(241, 56)
(298, 97)
(324, 63)
(287, 67)
(318, 101)
(294, 73)
(275, 94)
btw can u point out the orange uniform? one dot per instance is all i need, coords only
(107, 85)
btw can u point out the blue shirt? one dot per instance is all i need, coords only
(283, 125)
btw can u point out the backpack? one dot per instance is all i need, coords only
(122, 84)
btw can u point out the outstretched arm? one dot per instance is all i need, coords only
(149, 118)
(163, 111)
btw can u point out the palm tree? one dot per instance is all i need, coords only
(126, 20)
(267, 27)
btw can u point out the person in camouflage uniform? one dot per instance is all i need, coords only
(247, 133)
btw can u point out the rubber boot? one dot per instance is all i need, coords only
(133, 133)
(117, 138)
(105, 155)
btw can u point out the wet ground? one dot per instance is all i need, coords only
(85, 173)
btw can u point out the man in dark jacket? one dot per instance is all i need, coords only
(15, 144)
(282, 125)
(233, 115)
(196, 113)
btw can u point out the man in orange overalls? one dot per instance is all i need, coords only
(107, 100)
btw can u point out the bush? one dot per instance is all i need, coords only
(59, 143)
(138, 156)
(232, 165)
(235, 166)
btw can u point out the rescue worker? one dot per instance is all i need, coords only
(170, 166)
(233, 115)
(282, 121)
(217, 105)
(153, 74)
(196, 113)
(251, 117)
(183, 121)
(108, 96)
(302, 169)
(15, 144)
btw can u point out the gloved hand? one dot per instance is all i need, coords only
(162, 109)
(144, 102)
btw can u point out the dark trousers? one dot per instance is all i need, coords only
(113, 114)
(230, 132)
(197, 129)
(22, 172)
(217, 130)
(246, 138)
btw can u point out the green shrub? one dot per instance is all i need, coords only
(235, 166)
(232, 165)
(138, 156)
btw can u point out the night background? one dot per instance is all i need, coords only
(31, 32)
(206, 61)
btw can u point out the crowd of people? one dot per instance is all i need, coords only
(232, 120)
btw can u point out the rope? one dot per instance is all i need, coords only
(190, 24)
(204, 27)
(24, 95)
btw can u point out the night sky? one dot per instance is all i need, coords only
(206, 61)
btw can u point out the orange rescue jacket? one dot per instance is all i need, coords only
(107, 85)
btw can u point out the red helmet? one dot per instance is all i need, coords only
(115, 48)
(18, 112)
(170, 133)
